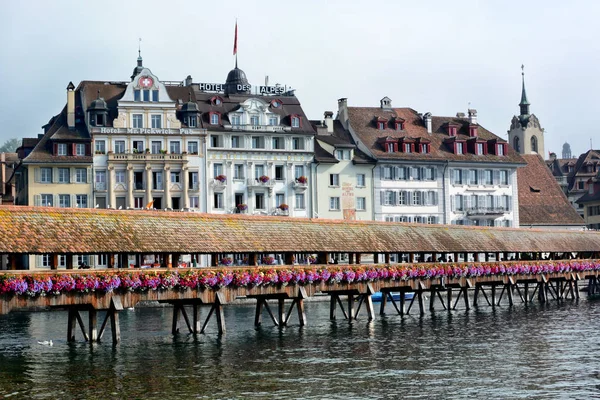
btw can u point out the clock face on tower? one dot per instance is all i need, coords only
(146, 82)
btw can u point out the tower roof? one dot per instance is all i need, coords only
(524, 101)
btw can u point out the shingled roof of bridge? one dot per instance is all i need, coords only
(37, 230)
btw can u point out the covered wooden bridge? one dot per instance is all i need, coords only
(121, 235)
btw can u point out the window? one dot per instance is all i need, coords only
(192, 121)
(64, 200)
(334, 203)
(389, 147)
(155, 95)
(500, 149)
(581, 185)
(194, 202)
(157, 180)
(279, 199)
(259, 170)
(176, 177)
(403, 198)
(82, 201)
(156, 147)
(138, 146)
(272, 120)
(407, 148)
(193, 180)
(387, 172)
(156, 121)
(489, 177)
(63, 175)
(258, 142)
(458, 202)
(298, 171)
(425, 148)
(334, 179)
(360, 180)
(254, 120)
(235, 142)
(120, 177)
(459, 148)
(218, 200)
(80, 149)
(503, 177)
(473, 177)
(175, 147)
(61, 149)
(381, 126)
(136, 95)
(457, 177)
(479, 148)
(146, 94)
(417, 173)
(277, 143)
(517, 144)
(361, 203)
(235, 120)
(279, 176)
(100, 180)
(416, 198)
(295, 122)
(138, 121)
(259, 201)
(534, 144)
(47, 200)
(389, 198)
(214, 119)
(300, 201)
(430, 173)
(238, 171)
(431, 220)
(217, 169)
(342, 154)
(119, 146)
(80, 175)
(100, 147)
(297, 143)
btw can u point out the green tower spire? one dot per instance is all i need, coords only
(524, 104)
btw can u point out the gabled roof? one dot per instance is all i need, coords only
(90, 231)
(541, 200)
(361, 121)
(340, 138)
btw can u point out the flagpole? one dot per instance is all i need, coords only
(235, 44)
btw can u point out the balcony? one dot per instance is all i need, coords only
(144, 157)
(300, 184)
(486, 211)
(218, 185)
(280, 212)
(256, 183)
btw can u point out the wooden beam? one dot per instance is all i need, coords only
(69, 261)
(111, 260)
(12, 262)
(54, 261)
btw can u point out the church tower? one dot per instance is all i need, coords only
(526, 135)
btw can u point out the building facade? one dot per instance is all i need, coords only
(435, 170)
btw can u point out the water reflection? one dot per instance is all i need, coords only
(542, 351)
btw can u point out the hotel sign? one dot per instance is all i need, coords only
(151, 131)
(263, 90)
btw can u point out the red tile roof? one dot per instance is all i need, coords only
(541, 200)
(37, 230)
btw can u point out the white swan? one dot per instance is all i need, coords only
(46, 342)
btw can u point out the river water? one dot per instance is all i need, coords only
(540, 351)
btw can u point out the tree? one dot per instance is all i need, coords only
(10, 146)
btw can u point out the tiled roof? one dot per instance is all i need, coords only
(541, 200)
(37, 230)
(362, 122)
(339, 138)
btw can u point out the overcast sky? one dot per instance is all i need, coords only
(433, 56)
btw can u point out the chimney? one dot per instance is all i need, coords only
(385, 103)
(329, 121)
(427, 121)
(460, 115)
(188, 80)
(472, 116)
(71, 105)
(343, 102)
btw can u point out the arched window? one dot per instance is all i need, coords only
(516, 144)
(534, 144)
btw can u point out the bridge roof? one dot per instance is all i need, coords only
(38, 230)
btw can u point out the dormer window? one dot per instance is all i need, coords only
(399, 126)
(479, 149)
(192, 121)
(459, 148)
(424, 148)
(408, 147)
(276, 103)
(500, 149)
(473, 130)
(215, 118)
(273, 121)
(61, 149)
(254, 120)
(216, 101)
(381, 126)
(389, 147)
(235, 120)
(452, 129)
(80, 149)
(99, 120)
(137, 95)
(295, 120)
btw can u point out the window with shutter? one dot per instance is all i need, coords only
(37, 200)
(452, 203)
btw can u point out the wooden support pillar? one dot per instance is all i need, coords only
(12, 261)
(322, 257)
(176, 317)
(351, 313)
(421, 305)
(449, 298)
(71, 325)
(369, 302)
(402, 303)
(332, 306)
(53, 261)
(258, 314)
(123, 260)
(281, 312)
(253, 259)
(196, 318)
(350, 258)
(93, 325)
(289, 258)
(384, 297)
(493, 295)
(111, 260)
(432, 299)
(466, 297)
(220, 300)
(358, 258)
(300, 305)
(214, 259)
(69, 261)
(476, 295)
(375, 258)
(387, 258)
